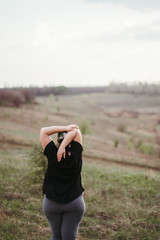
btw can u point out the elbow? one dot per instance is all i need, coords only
(42, 130)
(75, 132)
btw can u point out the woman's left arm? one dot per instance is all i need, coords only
(72, 135)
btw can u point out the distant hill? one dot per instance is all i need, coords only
(62, 90)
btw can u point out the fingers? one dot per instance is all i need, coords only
(59, 156)
(73, 126)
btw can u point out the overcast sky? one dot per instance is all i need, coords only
(79, 42)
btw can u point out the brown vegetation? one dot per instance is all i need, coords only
(16, 97)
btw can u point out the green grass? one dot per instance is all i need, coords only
(119, 205)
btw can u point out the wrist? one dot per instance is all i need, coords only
(61, 147)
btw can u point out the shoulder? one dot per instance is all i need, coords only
(78, 136)
(76, 145)
(50, 147)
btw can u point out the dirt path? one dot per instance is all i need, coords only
(108, 164)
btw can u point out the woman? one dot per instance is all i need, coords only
(63, 202)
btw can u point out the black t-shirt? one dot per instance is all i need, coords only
(62, 181)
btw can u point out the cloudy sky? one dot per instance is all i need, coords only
(79, 42)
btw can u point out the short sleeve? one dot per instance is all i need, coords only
(50, 148)
(76, 146)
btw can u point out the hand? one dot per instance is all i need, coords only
(71, 127)
(61, 152)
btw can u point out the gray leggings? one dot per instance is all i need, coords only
(64, 219)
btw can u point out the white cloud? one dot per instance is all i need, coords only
(135, 4)
(41, 35)
(80, 44)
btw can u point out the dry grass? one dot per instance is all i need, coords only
(109, 120)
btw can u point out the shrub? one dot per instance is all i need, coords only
(121, 128)
(116, 142)
(84, 127)
(38, 163)
(139, 143)
(16, 97)
(45, 118)
(58, 109)
(28, 95)
(146, 148)
(130, 144)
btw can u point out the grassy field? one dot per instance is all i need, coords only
(120, 176)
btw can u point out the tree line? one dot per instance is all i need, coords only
(18, 96)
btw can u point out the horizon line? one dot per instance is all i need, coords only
(83, 86)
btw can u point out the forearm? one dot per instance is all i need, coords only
(53, 129)
(68, 138)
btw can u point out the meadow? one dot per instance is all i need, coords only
(121, 165)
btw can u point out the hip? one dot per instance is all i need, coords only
(76, 205)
